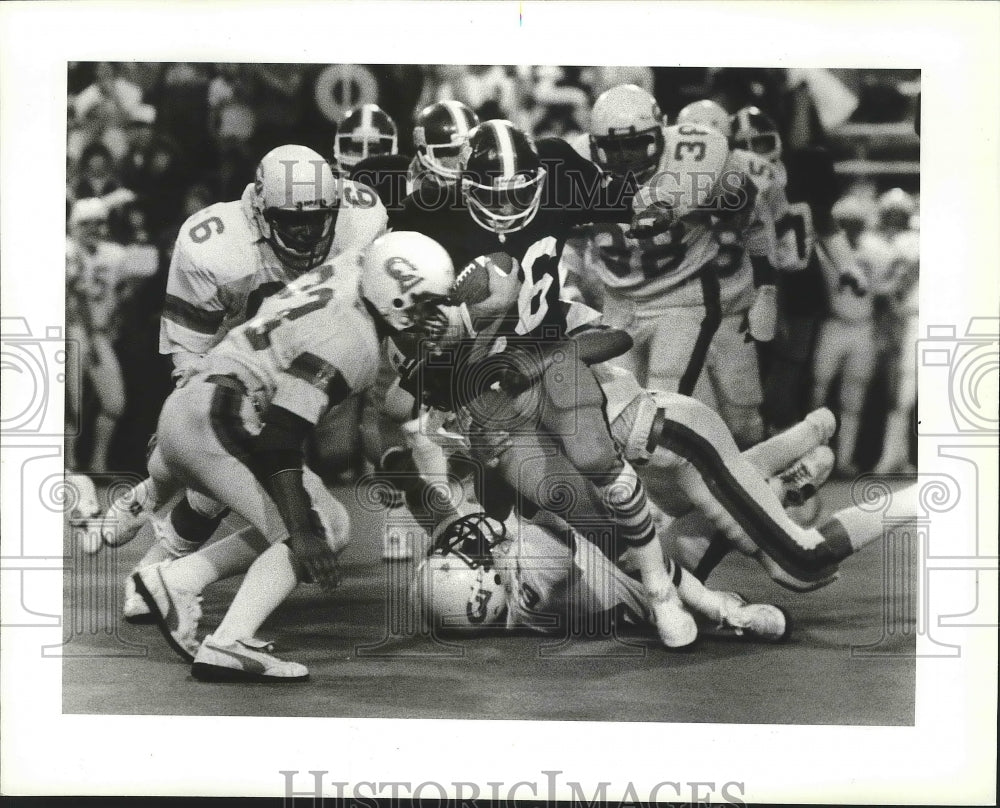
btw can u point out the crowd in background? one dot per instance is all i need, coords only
(158, 142)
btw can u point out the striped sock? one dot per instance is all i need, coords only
(626, 498)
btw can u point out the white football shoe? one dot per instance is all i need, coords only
(247, 660)
(134, 608)
(84, 498)
(760, 621)
(128, 513)
(176, 612)
(674, 623)
(801, 480)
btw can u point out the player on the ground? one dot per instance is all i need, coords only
(228, 258)
(519, 202)
(543, 575)
(236, 429)
(696, 292)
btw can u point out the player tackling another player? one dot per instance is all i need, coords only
(283, 304)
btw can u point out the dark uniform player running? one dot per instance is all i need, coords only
(521, 201)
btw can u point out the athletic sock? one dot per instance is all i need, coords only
(232, 555)
(268, 583)
(626, 498)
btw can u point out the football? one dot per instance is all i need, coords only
(472, 285)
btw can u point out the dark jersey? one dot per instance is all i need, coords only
(386, 174)
(574, 192)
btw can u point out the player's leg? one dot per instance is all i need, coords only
(735, 378)
(896, 444)
(678, 350)
(696, 448)
(575, 413)
(859, 363)
(106, 376)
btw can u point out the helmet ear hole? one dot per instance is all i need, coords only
(398, 303)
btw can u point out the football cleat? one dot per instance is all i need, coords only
(134, 608)
(176, 612)
(84, 498)
(127, 514)
(760, 621)
(675, 624)
(801, 480)
(246, 660)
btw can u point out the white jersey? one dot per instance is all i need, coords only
(94, 276)
(874, 259)
(697, 169)
(222, 268)
(310, 346)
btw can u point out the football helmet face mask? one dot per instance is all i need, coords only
(706, 113)
(439, 134)
(895, 209)
(754, 131)
(366, 131)
(502, 177)
(457, 586)
(295, 206)
(406, 278)
(626, 132)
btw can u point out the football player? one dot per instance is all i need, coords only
(542, 575)
(802, 224)
(294, 217)
(366, 131)
(235, 431)
(440, 131)
(519, 201)
(846, 344)
(95, 272)
(896, 212)
(696, 292)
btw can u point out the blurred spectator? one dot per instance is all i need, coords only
(488, 90)
(280, 100)
(182, 107)
(230, 104)
(97, 177)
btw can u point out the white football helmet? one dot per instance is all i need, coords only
(406, 278)
(457, 587)
(295, 205)
(88, 221)
(365, 132)
(706, 113)
(626, 132)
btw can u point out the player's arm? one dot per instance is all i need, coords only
(761, 247)
(579, 186)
